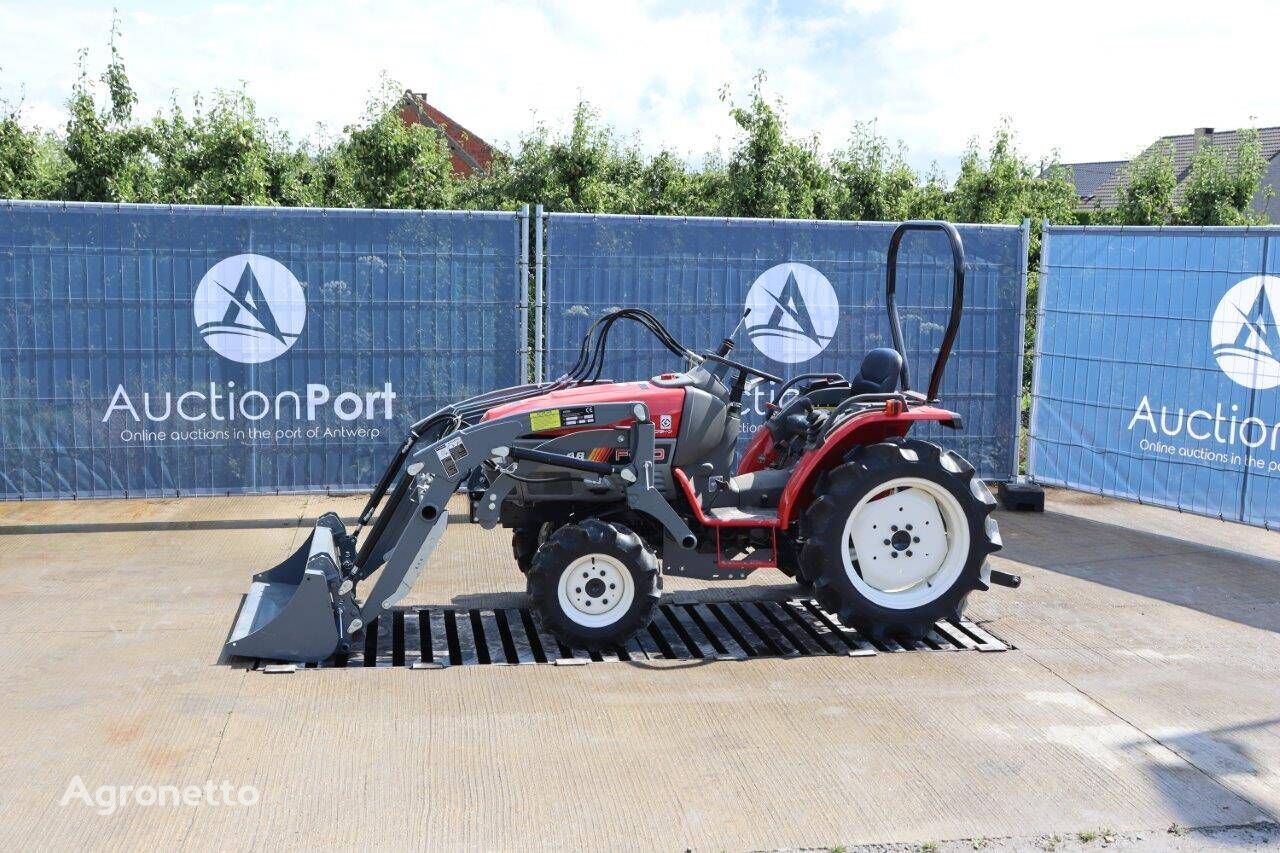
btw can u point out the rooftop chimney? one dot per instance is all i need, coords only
(1202, 132)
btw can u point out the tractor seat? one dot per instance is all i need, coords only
(879, 373)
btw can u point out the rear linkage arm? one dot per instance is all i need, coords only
(419, 518)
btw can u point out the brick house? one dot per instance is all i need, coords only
(470, 152)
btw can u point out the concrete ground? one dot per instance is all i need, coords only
(1141, 708)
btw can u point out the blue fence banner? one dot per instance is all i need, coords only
(1157, 371)
(817, 294)
(152, 350)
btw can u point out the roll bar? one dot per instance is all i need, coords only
(957, 299)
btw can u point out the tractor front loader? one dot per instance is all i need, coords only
(608, 485)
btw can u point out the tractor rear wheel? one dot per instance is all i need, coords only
(594, 584)
(898, 536)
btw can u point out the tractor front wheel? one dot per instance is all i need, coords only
(594, 584)
(898, 536)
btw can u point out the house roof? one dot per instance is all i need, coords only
(1183, 146)
(470, 153)
(1087, 177)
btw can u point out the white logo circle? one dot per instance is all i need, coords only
(250, 308)
(794, 313)
(1245, 334)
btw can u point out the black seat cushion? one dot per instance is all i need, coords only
(879, 373)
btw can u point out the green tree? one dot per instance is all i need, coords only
(385, 162)
(770, 174)
(18, 153)
(1004, 186)
(295, 174)
(1146, 190)
(106, 152)
(870, 179)
(586, 170)
(33, 163)
(218, 156)
(667, 186)
(930, 199)
(1220, 189)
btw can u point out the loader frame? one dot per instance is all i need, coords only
(278, 615)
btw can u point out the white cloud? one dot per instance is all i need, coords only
(1094, 80)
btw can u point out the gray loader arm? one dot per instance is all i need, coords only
(419, 519)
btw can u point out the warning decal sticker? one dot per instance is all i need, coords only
(450, 453)
(549, 419)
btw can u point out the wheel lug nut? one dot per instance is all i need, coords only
(915, 538)
(908, 526)
(908, 553)
(893, 554)
(886, 542)
(893, 527)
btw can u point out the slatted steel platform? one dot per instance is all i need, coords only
(437, 637)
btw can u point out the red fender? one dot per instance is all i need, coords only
(759, 452)
(866, 428)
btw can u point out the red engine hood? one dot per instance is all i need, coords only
(664, 404)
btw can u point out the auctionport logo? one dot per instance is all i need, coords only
(250, 308)
(1246, 344)
(794, 313)
(1245, 335)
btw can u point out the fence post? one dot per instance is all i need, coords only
(523, 272)
(1041, 289)
(1018, 430)
(539, 300)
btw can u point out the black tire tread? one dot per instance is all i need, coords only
(840, 490)
(524, 544)
(593, 536)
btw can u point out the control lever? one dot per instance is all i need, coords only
(726, 346)
(817, 419)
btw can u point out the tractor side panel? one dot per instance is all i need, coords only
(861, 430)
(708, 432)
(665, 405)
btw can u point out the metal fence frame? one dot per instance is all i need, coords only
(526, 356)
(1035, 451)
(540, 293)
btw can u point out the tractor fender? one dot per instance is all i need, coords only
(861, 429)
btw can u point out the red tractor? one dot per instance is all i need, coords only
(608, 485)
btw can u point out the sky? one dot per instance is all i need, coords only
(1082, 80)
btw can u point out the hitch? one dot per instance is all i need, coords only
(1006, 579)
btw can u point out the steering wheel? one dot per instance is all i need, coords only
(743, 368)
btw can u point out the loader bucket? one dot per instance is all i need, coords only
(291, 610)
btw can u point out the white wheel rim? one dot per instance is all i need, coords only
(927, 538)
(596, 590)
